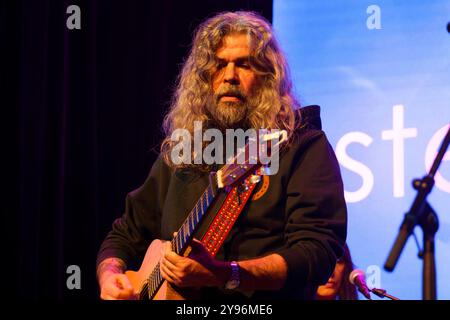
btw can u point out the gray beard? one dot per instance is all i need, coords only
(229, 114)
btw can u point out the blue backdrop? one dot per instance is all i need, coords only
(381, 73)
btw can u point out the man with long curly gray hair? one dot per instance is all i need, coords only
(292, 230)
(234, 76)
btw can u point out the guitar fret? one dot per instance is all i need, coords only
(191, 223)
(203, 209)
(211, 193)
(186, 231)
(182, 238)
(207, 197)
(182, 243)
(196, 213)
(174, 244)
(178, 243)
(183, 230)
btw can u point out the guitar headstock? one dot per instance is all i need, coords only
(231, 174)
(247, 159)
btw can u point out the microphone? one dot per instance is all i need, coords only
(358, 278)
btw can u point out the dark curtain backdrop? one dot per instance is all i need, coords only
(81, 124)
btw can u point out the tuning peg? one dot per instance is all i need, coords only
(254, 179)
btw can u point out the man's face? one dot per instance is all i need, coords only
(233, 81)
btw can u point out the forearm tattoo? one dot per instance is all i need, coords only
(112, 264)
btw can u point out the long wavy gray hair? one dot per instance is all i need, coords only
(276, 107)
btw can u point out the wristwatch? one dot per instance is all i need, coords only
(234, 280)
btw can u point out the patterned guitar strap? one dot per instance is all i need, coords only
(229, 212)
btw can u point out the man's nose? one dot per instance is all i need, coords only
(231, 76)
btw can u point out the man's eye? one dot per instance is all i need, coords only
(244, 65)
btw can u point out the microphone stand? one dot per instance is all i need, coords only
(383, 294)
(423, 215)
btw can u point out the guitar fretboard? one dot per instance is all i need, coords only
(187, 229)
(184, 235)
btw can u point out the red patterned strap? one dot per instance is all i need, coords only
(228, 214)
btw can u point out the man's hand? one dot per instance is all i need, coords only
(200, 269)
(114, 285)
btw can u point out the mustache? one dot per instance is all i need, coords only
(232, 91)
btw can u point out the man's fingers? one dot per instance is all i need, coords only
(198, 246)
(120, 296)
(173, 258)
(125, 283)
(168, 274)
(169, 262)
(108, 294)
(125, 295)
(111, 289)
(166, 248)
(108, 297)
(117, 287)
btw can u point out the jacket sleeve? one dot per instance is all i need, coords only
(316, 213)
(141, 222)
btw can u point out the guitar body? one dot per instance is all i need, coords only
(166, 291)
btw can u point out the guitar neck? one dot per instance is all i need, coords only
(190, 225)
(184, 235)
